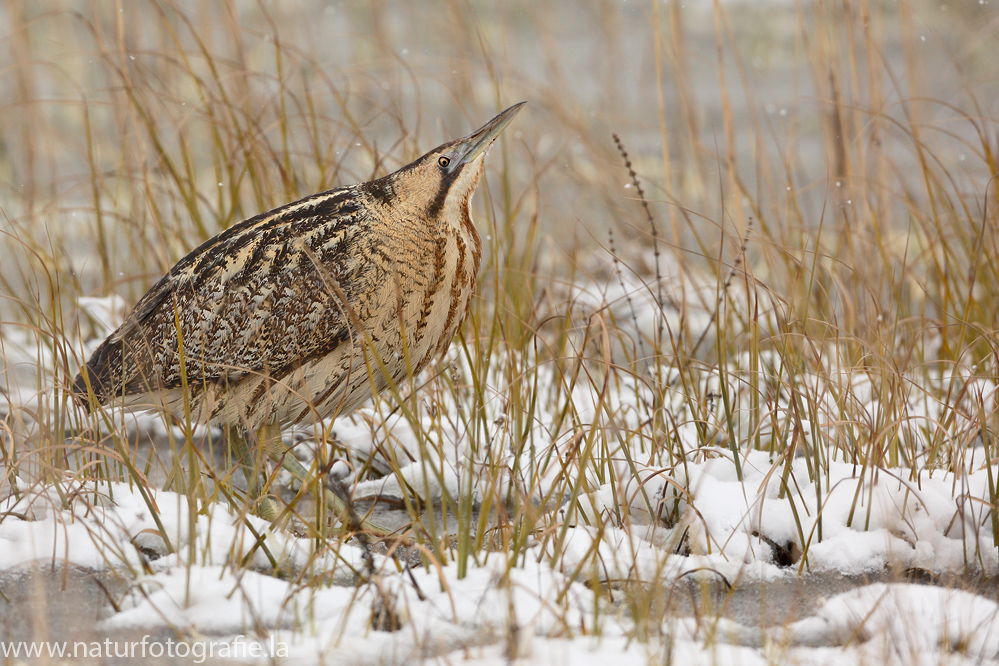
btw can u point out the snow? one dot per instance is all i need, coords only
(111, 525)
(541, 594)
(914, 622)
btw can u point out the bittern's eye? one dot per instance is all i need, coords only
(443, 161)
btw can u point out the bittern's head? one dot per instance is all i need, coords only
(442, 181)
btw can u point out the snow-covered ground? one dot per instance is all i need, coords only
(612, 510)
(530, 606)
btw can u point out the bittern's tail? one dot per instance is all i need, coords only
(97, 372)
(80, 393)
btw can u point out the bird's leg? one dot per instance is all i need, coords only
(282, 455)
(252, 466)
(268, 439)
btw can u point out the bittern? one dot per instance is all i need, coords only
(305, 311)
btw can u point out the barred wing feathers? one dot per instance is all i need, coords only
(263, 297)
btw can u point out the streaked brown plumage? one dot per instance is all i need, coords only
(301, 312)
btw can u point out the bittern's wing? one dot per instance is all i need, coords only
(264, 296)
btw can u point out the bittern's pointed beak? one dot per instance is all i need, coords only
(473, 145)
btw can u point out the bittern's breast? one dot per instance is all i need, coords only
(429, 269)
